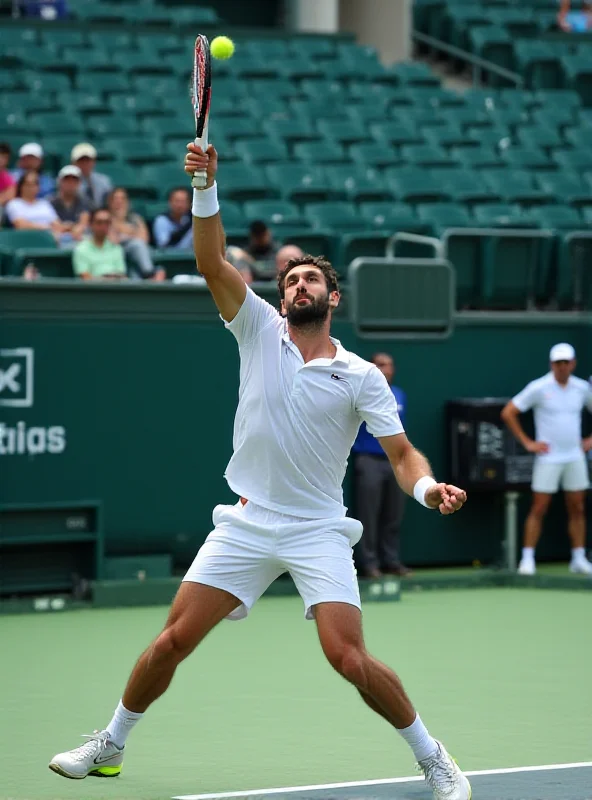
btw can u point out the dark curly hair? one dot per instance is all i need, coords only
(320, 262)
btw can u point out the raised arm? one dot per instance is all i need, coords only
(209, 242)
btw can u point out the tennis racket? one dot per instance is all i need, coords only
(201, 90)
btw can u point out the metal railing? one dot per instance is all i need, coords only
(478, 65)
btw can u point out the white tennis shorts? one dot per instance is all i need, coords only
(251, 546)
(571, 476)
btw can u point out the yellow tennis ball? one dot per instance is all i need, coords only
(222, 47)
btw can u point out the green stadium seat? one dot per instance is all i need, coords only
(577, 74)
(270, 50)
(261, 150)
(290, 130)
(574, 278)
(477, 157)
(243, 182)
(539, 64)
(465, 117)
(414, 73)
(374, 154)
(334, 215)
(569, 187)
(314, 48)
(415, 185)
(10, 80)
(323, 89)
(497, 138)
(578, 138)
(500, 215)
(232, 128)
(138, 149)
(87, 103)
(537, 136)
(155, 124)
(50, 262)
(109, 41)
(357, 183)
(195, 16)
(395, 133)
(462, 18)
(12, 240)
(63, 37)
(425, 155)
(463, 185)
(45, 82)
(514, 186)
(447, 136)
(112, 125)
(444, 215)
(311, 240)
(131, 178)
(27, 101)
(301, 183)
(300, 69)
(369, 244)
(516, 270)
(510, 118)
(557, 217)
(574, 160)
(102, 82)
(276, 87)
(233, 216)
(494, 44)
(554, 117)
(306, 110)
(418, 117)
(392, 217)
(557, 98)
(364, 111)
(162, 177)
(157, 86)
(348, 133)
(52, 122)
(527, 157)
(428, 97)
(517, 21)
(279, 213)
(323, 152)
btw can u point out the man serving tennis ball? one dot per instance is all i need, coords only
(301, 401)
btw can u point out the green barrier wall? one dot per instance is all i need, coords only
(127, 395)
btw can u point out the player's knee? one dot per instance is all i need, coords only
(350, 662)
(173, 644)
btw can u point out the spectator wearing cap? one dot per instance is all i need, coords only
(7, 182)
(30, 157)
(29, 212)
(558, 400)
(174, 229)
(70, 208)
(94, 186)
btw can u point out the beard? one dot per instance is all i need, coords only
(312, 315)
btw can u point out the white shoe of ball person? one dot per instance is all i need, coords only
(580, 566)
(97, 757)
(527, 567)
(444, 777)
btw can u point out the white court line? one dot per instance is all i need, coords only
(378, 782)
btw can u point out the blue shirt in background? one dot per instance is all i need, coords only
(46, 182)
(365, 442)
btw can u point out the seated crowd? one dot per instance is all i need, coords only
(84, 212)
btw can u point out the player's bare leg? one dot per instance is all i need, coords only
(340, 632)
(196, 610)
(532, 531)
(575, 503)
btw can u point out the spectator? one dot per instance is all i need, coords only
(262, 251)
(557, 399)
(579, 21)
(70, 208)
(27, 212)
(129, 230)
(174, 229)
(379, 500)
(285, 254)
(99, 257)
(7, 182)
(31, 158)
(44, 9)
(94, 186)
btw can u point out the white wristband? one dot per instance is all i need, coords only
(421, 487)
(205, 202)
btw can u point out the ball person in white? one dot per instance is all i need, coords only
(302, 398)
(557, 400)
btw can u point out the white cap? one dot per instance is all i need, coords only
(83, 150)
(31, 149)
(69, 171)
(562, 352)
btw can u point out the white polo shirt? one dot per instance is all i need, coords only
(295, 423)
(557, 415)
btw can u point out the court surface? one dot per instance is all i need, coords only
(500, 675)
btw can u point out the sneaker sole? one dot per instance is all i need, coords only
(102, 772)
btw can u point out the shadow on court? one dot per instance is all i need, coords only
(573, 783)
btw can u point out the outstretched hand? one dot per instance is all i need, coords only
(196, 160)
(445, 497)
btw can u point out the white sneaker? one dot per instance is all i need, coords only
(98, 757)
(581, 565)
(527, 567)
(444, 777)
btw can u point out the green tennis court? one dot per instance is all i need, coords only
(500, 675)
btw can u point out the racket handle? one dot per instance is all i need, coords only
(200, 176)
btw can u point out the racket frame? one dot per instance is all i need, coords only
(201, 112)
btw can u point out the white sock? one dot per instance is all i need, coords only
(578, 554)
(419, 740)
(528, 553)
(121, 725)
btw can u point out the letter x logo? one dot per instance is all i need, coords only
(16, 377)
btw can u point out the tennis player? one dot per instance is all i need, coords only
(302, 398)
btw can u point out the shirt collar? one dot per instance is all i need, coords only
(341, 356)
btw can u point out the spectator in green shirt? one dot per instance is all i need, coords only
(98, 257)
